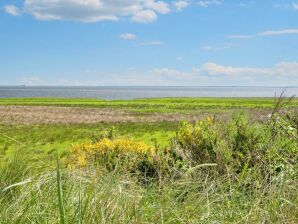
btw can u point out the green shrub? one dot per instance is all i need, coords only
(198, 141)
(239, 144)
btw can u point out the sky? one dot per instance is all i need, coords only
(149, 42)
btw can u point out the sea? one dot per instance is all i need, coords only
(136, 92)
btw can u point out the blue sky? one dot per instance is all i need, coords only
(149, 42)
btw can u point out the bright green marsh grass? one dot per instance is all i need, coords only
(42, 140)
(155, 104)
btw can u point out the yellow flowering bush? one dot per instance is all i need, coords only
(197, 141)
(239, 145)
(107, 149)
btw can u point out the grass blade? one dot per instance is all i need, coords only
(60, 193)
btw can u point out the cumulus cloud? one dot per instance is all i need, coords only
(295, 6)
(128, 36)
(210, 74)
(206, 3)
(283, 73)
(158, 6)
(286, 69)
(144, 11)
(12, 10)
(145, 16)
(214, 69)
(179, 5)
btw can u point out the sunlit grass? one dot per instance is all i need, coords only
(42, 140)
(154, 105)
(211, 171)
(252, 177)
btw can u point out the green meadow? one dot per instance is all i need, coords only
(154, 105)
(44, 139)
(210, 171)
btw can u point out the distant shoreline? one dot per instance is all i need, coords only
(143, 86)
(141, 92)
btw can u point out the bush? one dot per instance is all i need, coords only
(198, 141)
(239, 144)
(109, 153)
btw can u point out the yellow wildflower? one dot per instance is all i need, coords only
(86, 151)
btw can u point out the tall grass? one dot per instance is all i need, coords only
(115, 198)
(60, 192)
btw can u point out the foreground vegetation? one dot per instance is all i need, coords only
(210, 171)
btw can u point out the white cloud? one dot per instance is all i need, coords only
(265, 33)
(286, 69)
(179, 5)
(155, 42)
(144, 11)
(214, 69)
(145, 16)
(215, 48)
(31, 81)
(207, 48)
(168, 72)
(128, 36)
(158, 6)
(281, 74)
(12, 10)
(210, 74)
(278, 32)
(239, 36)
(293, 6)
(206, 3)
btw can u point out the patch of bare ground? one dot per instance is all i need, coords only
(77, 115)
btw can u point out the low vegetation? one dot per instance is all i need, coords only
(210, 171)
(185, 105)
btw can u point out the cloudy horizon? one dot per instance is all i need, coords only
(149, 43)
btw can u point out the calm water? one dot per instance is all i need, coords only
(143, 92)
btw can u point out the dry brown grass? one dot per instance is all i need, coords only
(79, 115)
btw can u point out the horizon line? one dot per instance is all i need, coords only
(148, 86)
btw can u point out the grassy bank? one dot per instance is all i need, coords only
(154, 105)
(211, 172)
(237, 170)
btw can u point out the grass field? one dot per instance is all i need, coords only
(235, 170)
(45, 139)
(186, 105)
